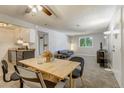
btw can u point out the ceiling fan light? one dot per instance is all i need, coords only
(4, 25)
(39, 8)
(19, 41)
(34, 10)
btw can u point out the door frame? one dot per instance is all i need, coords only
(43, 36)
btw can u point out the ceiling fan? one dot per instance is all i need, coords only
(39, 8)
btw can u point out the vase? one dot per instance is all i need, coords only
(48, 59)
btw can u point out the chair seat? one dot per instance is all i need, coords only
(76, 73)
(14, 77)
(49, 84)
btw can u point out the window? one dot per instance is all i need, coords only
(86, 42)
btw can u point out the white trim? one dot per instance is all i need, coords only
(80, 54)
(117, 76)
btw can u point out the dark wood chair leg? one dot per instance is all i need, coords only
(21, 84)
(4, 79)
(82, 81)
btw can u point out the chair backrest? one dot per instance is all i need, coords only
(4, 66)
(32, 78)
(5, 70)
(29, 78)
(78, 59)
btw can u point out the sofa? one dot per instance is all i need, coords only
(63, 54)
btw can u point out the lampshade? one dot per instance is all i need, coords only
(19, 41)
(25, 44)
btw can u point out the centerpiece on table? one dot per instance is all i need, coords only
(47, 55)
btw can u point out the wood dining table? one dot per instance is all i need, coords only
(58, 68)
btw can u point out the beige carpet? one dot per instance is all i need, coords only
(96, 77)
(93, 77)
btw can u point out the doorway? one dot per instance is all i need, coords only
(43, 41)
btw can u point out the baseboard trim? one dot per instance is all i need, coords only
(116, 77)
(85, 54)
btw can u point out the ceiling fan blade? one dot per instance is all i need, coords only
(45, 10)
(53, 13)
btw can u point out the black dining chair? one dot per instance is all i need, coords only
(13, 77)
(34, 79)
(77, 73)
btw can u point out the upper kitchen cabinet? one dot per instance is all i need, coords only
(32, 35)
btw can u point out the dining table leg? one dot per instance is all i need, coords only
(71, 84)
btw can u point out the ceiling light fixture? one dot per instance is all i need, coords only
(107, 32)
(3, 25)
(35, 8)
(39, 8)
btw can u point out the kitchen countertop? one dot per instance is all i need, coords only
(16, 49)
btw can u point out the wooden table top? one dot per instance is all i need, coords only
(59, 68)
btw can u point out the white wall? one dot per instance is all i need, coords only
(122, 41)
(115, 46)
(8, 39)
(58, 41)
(97, 38)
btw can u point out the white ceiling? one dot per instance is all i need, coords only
(71, 19)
